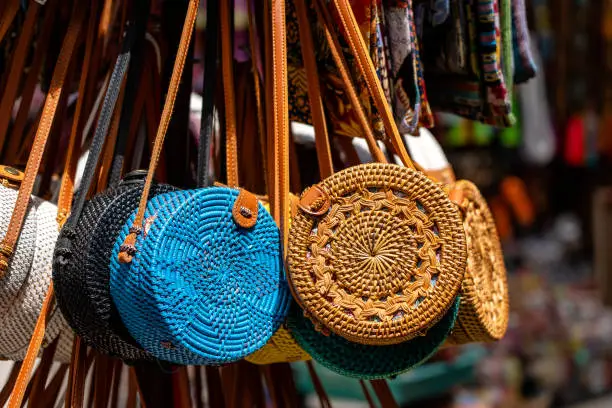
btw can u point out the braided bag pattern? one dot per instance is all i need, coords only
(366, 361)
(81, 270)
(484, 312)
(385, 262)
(25, 286)
(200, 289)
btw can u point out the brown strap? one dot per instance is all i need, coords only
(17, 64)
(280, 117)
(181, 387)
(255, 54)
(385, 397)
(214, 387)
(28, 362)
(80, 363)
(39, 380)
(7, 16)
(10, 383)
(324, 155)
(66, 191)
(368, 71)
(27, 93)
(366, 394)
(52, 392)
(126, 253)
(227, 67)
(318, 385)
(338, 56)
(7, 246)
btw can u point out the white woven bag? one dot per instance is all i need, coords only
(23, 289)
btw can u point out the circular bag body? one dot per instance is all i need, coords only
(25, 285)
(376, 254)
(365, 361)
(485, 307)
(201, 289)
(81, 268)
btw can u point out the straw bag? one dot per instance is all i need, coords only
(377, 251)
(81, 261)
(30, 235)
(197, 276)
(485, 308)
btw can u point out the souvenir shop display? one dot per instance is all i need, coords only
(211, 203)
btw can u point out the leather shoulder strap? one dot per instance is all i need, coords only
(367, 69)
(7, 246)
(324, 155)
(7, 15)
(127, 249)
(208, 96)
(16, 69)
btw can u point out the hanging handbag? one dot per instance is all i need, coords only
(26, 249)
(334, 351)
(197, 275)
(81, 268)
(377, 251)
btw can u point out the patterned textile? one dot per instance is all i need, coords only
(482, 94)
(341, 116)
(524, 66)
(411, 106)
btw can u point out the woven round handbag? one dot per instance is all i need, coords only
(201, 289)
(81, 268)
(24, 286)
(484, 312)
(377, 251)
(197, 276)
(369, 362)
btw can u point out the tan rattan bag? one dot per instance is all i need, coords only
(484, 310)
(377, 251)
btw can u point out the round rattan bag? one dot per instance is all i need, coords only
(81, 268)
(483, 316)
(365, 361)
(376, 253)
(201, 289)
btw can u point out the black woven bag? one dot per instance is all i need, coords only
(81, 268)
(82, 252)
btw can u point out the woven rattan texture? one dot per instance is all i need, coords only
(201, 289)
(485, 308)
(281, 348)
(25, 286)
(366, 361)
(385, 262)
(82, 278)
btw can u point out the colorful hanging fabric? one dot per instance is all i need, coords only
(524, 66)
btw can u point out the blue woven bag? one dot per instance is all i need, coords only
(201, 289)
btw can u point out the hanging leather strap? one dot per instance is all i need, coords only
(7, 15)
(366, 394)
(280, 119)
(208, 95)
(255, 61)
(18, 62)
(127, 249)
(7, 246)
(324, 155)
(27, 93)
(39, 379)
(28, 362)
(340, 61)
(227, 63)
(10, 383)
(368, 71)
(66, 191)
(385, 397)
(318, 385)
